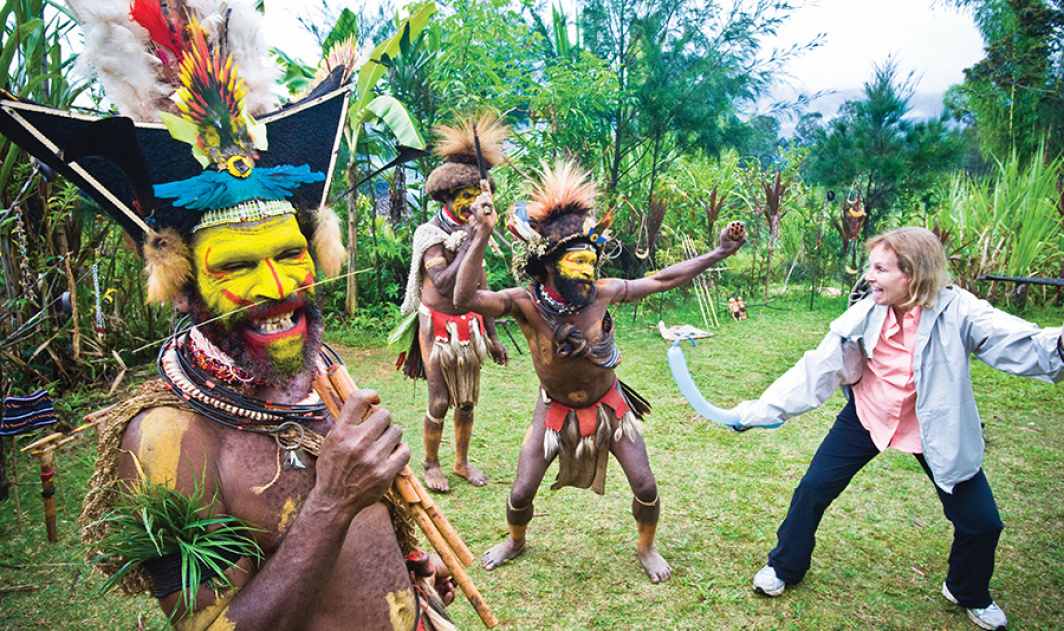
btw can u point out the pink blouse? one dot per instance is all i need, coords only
(886, 394)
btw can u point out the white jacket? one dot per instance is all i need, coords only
(957, 327)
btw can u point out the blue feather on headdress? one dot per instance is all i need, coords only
(211, 190)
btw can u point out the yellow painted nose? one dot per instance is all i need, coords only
(271, 284)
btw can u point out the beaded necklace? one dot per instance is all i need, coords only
(445, 221)
(210, 359)
(551, 302)
(226, 406)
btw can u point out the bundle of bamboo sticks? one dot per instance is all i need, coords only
(334, 387)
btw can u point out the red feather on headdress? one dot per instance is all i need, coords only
(167, 36)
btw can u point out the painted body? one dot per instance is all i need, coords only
(439, 270)
(575, 382)
(181, 447)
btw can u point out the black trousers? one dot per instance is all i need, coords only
(846, 449)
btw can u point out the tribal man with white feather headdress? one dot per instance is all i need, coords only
(583, 413)
(290, 522)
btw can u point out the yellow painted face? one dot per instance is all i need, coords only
(463, 199)
(578, 265)
(264, 263)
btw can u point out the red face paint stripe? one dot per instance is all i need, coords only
(235, 299)
(276, 278)
(308, 281)
(213, 272)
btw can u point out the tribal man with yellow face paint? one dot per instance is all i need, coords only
(255, 295)
(233, 425)
(450, 344)
(257, 331)
(584, 412)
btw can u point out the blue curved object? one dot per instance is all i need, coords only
(678, 365)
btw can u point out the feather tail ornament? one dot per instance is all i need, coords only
(329, 249)
(168, 265)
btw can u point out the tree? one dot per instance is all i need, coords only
(1015, 95)
(686, 71)
(871, 148)
(368, 107)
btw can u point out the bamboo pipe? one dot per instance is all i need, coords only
(345, 387)
(334, 388)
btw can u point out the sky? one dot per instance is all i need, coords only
(935, 41)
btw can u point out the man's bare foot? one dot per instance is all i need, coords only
(503, 552)
(657, 567)
(434, 478)
(475, 477)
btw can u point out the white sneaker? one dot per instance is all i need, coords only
(992, 617)
(766, 582)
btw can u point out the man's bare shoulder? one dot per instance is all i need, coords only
(167, 441)
(609, 290)
(523, 307)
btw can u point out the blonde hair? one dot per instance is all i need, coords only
(920, 257)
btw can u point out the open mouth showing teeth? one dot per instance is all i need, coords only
(274, 324)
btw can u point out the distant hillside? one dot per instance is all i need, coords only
(923, 105)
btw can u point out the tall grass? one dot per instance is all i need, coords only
(1009, 225)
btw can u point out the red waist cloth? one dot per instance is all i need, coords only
(462, 322)
(587, 417)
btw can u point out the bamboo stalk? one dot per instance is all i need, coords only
(334, 388)
(41, 442)
(345, 387)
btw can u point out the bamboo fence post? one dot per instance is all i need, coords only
(46, 458)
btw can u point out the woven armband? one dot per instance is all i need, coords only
(435, 262)
(165, 571)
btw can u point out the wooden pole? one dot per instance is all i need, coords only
(47, 459)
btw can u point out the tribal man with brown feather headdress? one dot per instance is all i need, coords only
(450, 344)
(583, 413)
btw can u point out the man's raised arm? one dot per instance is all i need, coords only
(731, 239)
(467, 295)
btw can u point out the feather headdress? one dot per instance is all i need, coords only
(457, 147)
(560, 211)
(137, 48)
(209, 165)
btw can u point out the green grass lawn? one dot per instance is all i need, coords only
(882, 549)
